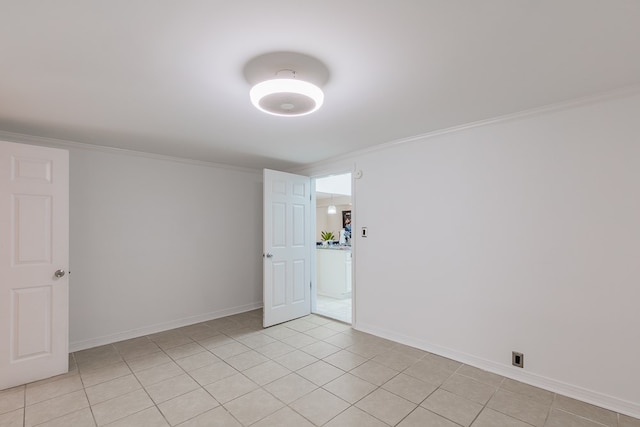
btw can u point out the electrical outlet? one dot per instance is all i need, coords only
(517, 359)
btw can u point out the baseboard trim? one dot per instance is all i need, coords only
(160, 327)
(602, 400)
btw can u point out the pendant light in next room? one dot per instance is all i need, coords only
(331, 210)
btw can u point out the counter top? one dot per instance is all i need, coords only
(334, 248)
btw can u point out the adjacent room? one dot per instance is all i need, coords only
(171, 253)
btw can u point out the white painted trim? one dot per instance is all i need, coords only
(602, 400)
(161, 327)
(546, 109)
(60, 143)
(319, 173)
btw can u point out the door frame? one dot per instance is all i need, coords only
(354, 248)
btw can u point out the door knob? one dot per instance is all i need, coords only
(59, 273)
(269, 255)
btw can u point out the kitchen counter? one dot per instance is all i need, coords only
(334, 248)
(334, 271)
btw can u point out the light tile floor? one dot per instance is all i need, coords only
(339, 309)
(308, 372)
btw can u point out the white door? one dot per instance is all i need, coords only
(34, 248)
(287, 247)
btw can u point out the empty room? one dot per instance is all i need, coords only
(174, 253)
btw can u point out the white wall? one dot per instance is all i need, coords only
(158, 243)
(519, 235)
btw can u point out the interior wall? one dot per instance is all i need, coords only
(522, 235)
(158, 243)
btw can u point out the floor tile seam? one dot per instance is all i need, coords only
(24, 420)
(583, 417)
(84, 370)
(437, 414)
(235, 342)
(106, 381)
(312, 391)
(95, 421)
(204, 387)
(61, 416)
(244, 394)
(437, 387)
(553, 405)
(157, 405)
(131, 415)
(550, 407)
(379, 419)
(485, 406)
(149, 341)
(144, 387)
(153, 405)
(498, 386)
(28, 405)
(97, 347)
(524, 395)
(340, 413)
(377, 387)
(172, 397)
(495, 388)
(220, 405)
(140, 386)
(24, 404)
(184, 357)
(522, 398)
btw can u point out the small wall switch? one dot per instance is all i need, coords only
(365, 232)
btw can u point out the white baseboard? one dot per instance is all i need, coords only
(602, 400)
(160, 327)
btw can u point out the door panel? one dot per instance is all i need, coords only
(287, 247)
(32, 227)
(31, 313)
(34, 223)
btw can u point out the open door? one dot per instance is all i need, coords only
(287, 247)
(34, 255)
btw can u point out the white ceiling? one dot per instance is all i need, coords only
(166, 76)
(339, 185)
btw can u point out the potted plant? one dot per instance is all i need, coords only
(327, 236)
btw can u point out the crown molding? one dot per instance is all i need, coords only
(619, 93)
(60, 143)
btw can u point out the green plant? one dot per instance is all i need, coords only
(327, 235)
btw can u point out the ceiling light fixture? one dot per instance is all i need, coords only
(286, 96)
(331, 209)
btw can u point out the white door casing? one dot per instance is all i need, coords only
(34, 238)
(287, 247)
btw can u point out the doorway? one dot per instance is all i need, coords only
(334, 246)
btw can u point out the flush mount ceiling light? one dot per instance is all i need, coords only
(286, 96)
(286, 83)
